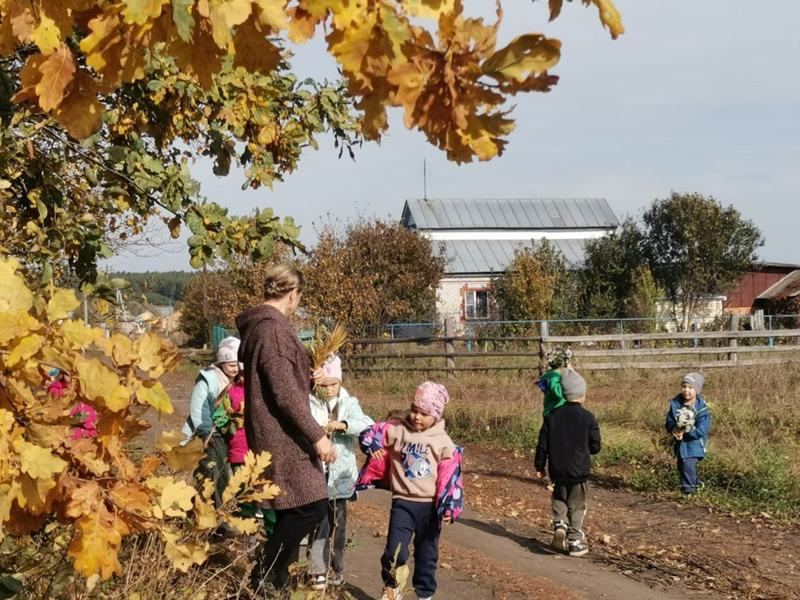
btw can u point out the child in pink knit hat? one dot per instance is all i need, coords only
(423, 464)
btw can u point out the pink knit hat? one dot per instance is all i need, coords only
(431, 397)
(332, 367)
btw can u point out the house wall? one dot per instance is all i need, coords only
(743, 297)
(709, 310)
(450, 295)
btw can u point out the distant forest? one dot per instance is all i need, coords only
(160, 288)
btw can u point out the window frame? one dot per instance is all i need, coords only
(473, 293)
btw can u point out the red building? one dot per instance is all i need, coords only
(745, 298)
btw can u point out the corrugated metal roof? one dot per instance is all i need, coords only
(512, 213)
(475, 257)
(774, 291)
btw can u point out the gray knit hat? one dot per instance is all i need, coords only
(573, 385)
(695, 380)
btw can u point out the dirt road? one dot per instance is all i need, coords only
(639, 548)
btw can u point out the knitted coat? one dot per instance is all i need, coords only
(277, 417)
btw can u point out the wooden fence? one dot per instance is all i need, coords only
(682, 350)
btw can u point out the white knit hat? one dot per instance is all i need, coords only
(228, 350)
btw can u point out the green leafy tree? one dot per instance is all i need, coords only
(696, 248)
(536, 285)
(371, 274)
(615, 280)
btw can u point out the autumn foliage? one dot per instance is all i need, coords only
(450, 79)
(91, 483)
(371, 274)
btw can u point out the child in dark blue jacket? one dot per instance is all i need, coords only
(688, 420)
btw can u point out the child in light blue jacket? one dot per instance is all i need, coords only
(688, 420)
(341, 416)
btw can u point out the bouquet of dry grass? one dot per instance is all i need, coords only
(323, 346)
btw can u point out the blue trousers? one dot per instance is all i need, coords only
(690, 482)
(417, 519)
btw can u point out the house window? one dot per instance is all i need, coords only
(476, 304)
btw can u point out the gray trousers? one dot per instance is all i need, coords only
(323, 539)
(569, 508)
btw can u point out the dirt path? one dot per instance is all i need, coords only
(639, 547)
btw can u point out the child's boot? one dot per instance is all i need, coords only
(392, 593)
(577, 548)
(559, 541)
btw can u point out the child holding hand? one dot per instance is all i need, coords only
(340, 414)
(688, 419)
(415, 459)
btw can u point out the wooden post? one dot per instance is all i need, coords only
(543, 348)
(449, 333)
(733, 342)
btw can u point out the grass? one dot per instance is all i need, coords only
(753, 461)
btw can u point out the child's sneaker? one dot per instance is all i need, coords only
(337, 579)
(392, 593)
(578, 548)
(319, 582)
(559, 541)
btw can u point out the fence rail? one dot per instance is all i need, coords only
(677, 350)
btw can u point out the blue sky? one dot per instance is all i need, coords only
(695, 96)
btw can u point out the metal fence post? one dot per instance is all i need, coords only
(621, 332)
(449, 333)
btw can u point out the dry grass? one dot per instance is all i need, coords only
(753, 460)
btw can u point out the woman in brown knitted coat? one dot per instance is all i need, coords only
(278, 419)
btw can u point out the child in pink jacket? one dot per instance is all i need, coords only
(415, 459)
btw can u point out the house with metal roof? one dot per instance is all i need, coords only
(479, 237)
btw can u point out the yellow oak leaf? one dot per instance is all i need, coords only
(204, 513)
(149, 464)
(80, 112)
(224, 16)
(176, 499)
(34, 494)
(271, 13)
(254, 51)
(153, 393)
(21, 18)
(37, 461)
(148, 349)
(302, 24)
(75, 333)
(158, 483)
(167, 440)
(185, 458)
(123, 352)
(130, 496)
(96, 544)
(127, 469)
(61, 303)
(47, 35)
(14, 294)
(140, 11)
(85, 451)
(245, 526)
(8, 494)
(84, 499)
(17, 323)
(525, 55)
(101, 384)
(25, 348)
(609, 15)
(430, 9)
(47, 434)
(183, 555)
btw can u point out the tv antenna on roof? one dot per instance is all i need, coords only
(424, 179)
